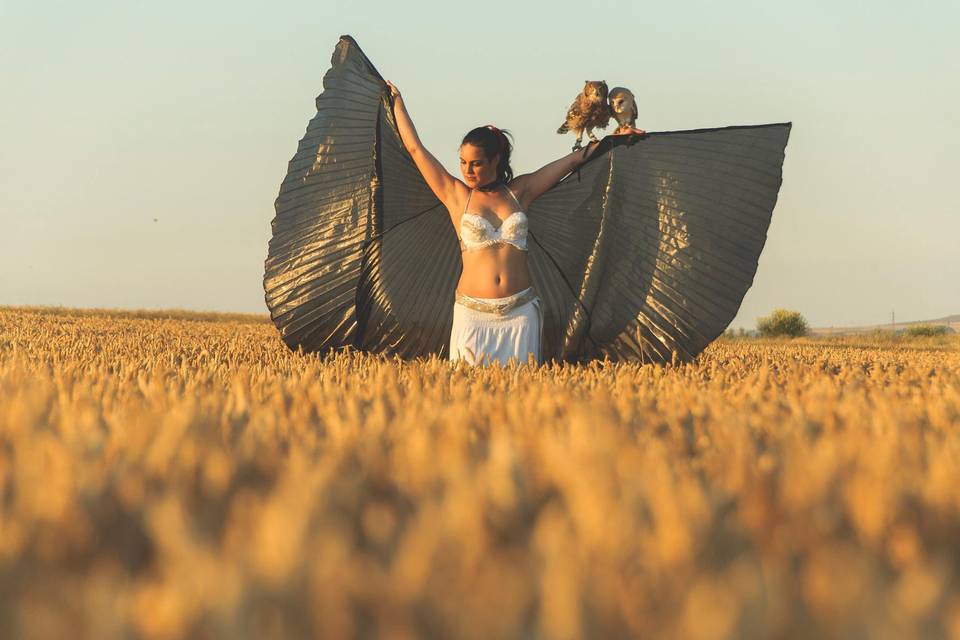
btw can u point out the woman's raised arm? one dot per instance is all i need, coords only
(443, 185)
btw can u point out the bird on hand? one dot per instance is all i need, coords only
(589, 111)
(623, 107)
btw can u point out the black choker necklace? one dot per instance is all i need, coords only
(490, 186)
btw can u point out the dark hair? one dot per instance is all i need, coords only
(493, 141)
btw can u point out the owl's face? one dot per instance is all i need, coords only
(621, 101)
(476, 168)
(595, 90)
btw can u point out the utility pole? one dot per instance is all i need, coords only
(893, 323)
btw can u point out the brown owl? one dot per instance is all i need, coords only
(589, 111)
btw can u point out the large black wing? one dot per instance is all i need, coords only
(362, 253)
(644, 254)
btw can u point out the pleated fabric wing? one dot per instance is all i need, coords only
(644, 254)
(362, 254)
(655, 241)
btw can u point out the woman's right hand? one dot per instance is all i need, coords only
(394, 92)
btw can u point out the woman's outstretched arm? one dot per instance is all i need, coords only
(443, 185)
(531, 186)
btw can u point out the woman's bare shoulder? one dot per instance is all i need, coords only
(519, 186)
(518, 182)
(455, 206)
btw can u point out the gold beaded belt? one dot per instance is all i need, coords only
(498, 308)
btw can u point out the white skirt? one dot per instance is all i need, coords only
(480, 337)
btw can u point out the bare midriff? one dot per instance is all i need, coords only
(494, 272)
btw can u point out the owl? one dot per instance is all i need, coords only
(623, 107)
(589, 111)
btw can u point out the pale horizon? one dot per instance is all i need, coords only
(144, 145)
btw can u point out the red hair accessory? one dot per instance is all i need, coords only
(500, 136)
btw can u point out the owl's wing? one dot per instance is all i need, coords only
(635, 112)
(646, 254)
(363, 254)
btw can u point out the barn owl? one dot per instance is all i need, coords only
(623, 107)
(589, 111)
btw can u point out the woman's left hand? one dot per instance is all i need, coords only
(588, 151)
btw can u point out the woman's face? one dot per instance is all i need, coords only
(476, 168)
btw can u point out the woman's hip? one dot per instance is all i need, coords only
(523, 304)
(500, 333)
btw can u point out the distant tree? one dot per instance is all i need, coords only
(927, 330)
(782, 323)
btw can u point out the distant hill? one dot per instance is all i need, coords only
(951, 321)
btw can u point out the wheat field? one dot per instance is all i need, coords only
(190, 477)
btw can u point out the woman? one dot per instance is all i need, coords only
(643, 257)
(497, 313)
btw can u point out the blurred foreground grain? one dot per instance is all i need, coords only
(168, 478)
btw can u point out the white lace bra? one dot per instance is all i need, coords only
(477, 232)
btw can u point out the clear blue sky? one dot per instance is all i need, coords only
(116, 113)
